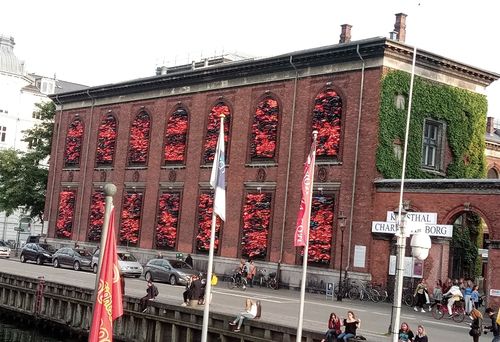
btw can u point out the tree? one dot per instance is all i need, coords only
(24, 175)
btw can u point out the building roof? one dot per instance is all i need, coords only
(372, 48)
(8, 61)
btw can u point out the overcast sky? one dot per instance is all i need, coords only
(99, 42)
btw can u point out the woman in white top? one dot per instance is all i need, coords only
(250, 312)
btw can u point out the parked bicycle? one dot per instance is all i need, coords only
(367, 292)
(268, 279)
(407, 297)
(237, 280)
(383, 295)
(349, 289)
(458, 310)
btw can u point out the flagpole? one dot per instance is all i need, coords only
(214, 180)
(110, 191)
(306, 247)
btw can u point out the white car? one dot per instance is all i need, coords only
(4, 250)
(127, 263)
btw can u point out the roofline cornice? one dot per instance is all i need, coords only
(476, 186)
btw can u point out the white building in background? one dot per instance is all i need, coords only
(19, 92)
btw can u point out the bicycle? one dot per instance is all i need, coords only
(383, 295)
(237, 280)
(458, 310)
(407, 297)
(268, 279)
(367, 292)
(349, 289)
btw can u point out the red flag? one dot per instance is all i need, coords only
(303, 221)
(109, 302)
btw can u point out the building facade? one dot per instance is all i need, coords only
(154, 138)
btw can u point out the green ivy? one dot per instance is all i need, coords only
(464, 113)
(469, 239)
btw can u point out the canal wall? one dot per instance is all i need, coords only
(69, 308)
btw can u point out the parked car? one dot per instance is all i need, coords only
(127, 263)
(171, 271)
(40, 253)
(4, 249)
(75, 257)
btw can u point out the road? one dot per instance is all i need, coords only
(281, 306)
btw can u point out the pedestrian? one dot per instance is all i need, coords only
(476, 325)
(350, 324)
(461, 286)
(334, 325)
(193, 290)
(421, 335)
(447, 285)
(159, 255)
(151, 293)
(474, 296)
(405, 334)
(494, 325)
(250, 312)
(467, 293)
(252, 270)
(240, 271)
(122, 283)
(420, 295)
(189, 260)
(437, 294)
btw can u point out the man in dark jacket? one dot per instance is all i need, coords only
(193, 291)
(151, 293)
(494, 325)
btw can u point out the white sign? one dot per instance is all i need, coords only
(329, 290)
(411, 268)
(359, 256)
(494, 293)
(440, 230)
(426, 218)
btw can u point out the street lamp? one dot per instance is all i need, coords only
(342, 220)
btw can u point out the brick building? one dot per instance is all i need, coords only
(154, 138)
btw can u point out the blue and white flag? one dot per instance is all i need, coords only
(218, 177)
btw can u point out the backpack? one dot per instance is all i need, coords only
(259, 310)
(155, 291)
(214, 280)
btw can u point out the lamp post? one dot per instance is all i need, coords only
(400, 214)
(342, 220)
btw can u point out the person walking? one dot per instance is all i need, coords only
(350, 324)
(420, 295)
(437, 294)
(474, 296)
(494, 325)
(467, 293)
(405, 333)
(189, 260)
(151, 293)
(250, 312)
(252, 270)
(421, 335)
(334, 325)
(476, 325)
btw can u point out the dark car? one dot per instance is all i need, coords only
(171, 271)
(74, 257)
(40, 253)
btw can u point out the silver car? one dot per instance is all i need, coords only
(170, 271)
(4, 250)
(75, 257)
(127, 263)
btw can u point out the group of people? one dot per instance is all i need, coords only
(451, 292)
(247, 269)
(335, 324)
(406, 335)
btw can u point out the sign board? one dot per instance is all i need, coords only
(329, 290)
(179, 256)
(439, 230)
(359, 256)
(494, 293)
(411, 216)
(412, 267)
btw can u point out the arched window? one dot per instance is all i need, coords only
(131, 218)
(320, 234)
(205, 208)
(175, 137)
(74, 143)
(213, 130)
(327, 117)
(96, 216)
(107, 141)
(256, 219)
(168, 215)
(492, 174)
(139, 139)
(65, 214)
(265, 129)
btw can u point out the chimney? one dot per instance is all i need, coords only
(345, 34)
(490, 128)
(400, 26)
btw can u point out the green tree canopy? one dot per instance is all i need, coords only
(23, 175)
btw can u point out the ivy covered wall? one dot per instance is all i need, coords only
(464, 113)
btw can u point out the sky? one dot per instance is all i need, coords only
(107, 41)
